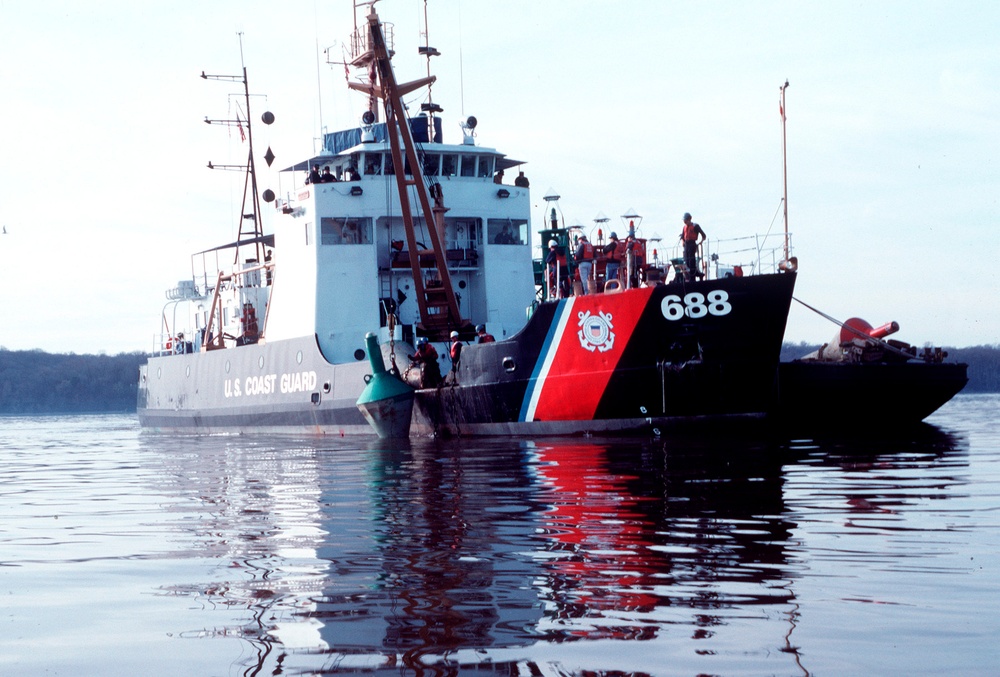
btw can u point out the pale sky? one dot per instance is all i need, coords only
(664, 107)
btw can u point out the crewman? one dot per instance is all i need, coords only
(613, 252)
(482, 336)
(689, 235)
(456, 355)
(552, 269)
(585, 261)
(426, 358)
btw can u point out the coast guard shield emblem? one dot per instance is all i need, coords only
(595, 331)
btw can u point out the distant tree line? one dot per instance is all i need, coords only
(36, 382)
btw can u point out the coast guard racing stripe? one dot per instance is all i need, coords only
(585, 342)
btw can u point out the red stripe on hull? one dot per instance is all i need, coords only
(586, 357)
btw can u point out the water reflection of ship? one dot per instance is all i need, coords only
(437, 556)
(647, 528)
(448, 574)
(481, 549)
(484, 548)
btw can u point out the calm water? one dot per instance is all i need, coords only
(126, 554)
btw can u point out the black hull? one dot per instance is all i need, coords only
(663, 370)
(837, 395)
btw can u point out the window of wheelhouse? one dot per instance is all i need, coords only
(353, 163)
(387, 167)
(507, 231)
(373, 164)
(431, 162)
(485, 166)
(338, 231)
(449, 165)
(468, 165)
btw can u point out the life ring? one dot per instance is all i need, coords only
(170, 344)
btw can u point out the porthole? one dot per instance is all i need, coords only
(260, 362)
(159, 372)
(359, 354)
(298, 357)
(227, 366)
(187, 371)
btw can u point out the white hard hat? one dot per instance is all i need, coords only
(553, 243)
(454, 334)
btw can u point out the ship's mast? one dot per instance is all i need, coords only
(784, 166)
(254, 230)
(439, 311)
(429, 107)
(251, 230)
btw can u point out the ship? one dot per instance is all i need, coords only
(392, 239)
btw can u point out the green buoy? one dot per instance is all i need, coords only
(386, 402)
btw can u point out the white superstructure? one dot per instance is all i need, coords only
(342, 260)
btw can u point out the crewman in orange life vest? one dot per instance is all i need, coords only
(456, 355)
(689, 235)
(426, 359)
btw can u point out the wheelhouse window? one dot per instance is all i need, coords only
(373, 164)
(468, 165)
(449, 165)
(343, 171)
(507, 231)
(485, 166)
(431, 162)
(335, 231)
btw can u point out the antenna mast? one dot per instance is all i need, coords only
(251, 197)
(430, 108)
(784, 165)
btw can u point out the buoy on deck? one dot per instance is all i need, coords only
(856, 328)
(854, 332)
(386, 402)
